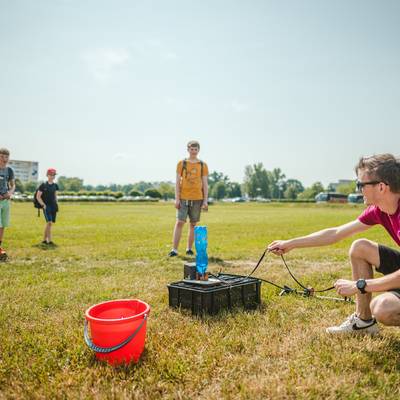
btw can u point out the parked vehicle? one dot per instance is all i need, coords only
(329, 197)
(355, 198)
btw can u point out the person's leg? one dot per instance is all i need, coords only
(194, 216)
(177, 233)
(386, 308)
(191, 235)
(364, 254)
(47, 232)
(4, 218)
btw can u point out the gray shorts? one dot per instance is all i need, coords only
(191, 208)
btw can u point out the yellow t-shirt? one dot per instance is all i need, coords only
(191, 180)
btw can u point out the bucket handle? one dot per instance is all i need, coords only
(99, 349)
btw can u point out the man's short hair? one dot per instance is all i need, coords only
(4, 151)
(193, 143)
(382, 167)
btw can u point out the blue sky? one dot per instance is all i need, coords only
(111, 91)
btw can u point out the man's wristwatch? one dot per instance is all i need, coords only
(361, 284)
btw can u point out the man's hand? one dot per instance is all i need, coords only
(279, 247)
(7, 196)
(345, 287)
(204, 206)
(177, 204)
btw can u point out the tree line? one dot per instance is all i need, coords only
(258, 183)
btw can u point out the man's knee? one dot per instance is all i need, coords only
(385, 307)
(180, 223)
(360, 248)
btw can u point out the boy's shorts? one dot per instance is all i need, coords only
(389, 263)
(50, 214)
(4, 213)
(191, 208)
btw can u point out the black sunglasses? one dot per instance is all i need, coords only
(360, 184)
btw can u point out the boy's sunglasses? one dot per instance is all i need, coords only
(360, 184)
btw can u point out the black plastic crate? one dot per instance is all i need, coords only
(237, 291)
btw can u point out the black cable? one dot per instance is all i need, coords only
(300, 284)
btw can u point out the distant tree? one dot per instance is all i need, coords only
(331, 187)
(142, 186)
(293, 188)
(153, 193)
(100, 188)
(19, 186)
(277, 183)
(31, 186)
(346, 188)
(127, 188)
(135, 193)
(219, 190)
(167, 190)
(216, 177)
(234, 190)
(312, 191)
(118, 194)
(256, 181)
(70, 184)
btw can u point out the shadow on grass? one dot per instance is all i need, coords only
(121, 369)
(388, 349)
(45, 247)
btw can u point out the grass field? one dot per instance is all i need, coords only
(111, 251)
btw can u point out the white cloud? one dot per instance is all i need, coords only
(102, 63)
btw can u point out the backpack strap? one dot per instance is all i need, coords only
(184, 167)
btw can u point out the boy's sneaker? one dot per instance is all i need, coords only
(3, 254)
(172, 253)
(355, 324)
(189, 252)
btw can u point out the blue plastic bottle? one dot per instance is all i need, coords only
(200, 242)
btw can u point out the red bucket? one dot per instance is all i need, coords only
(118, 329)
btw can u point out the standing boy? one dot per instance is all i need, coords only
(47, 198)
(7, 188)
(191, 195)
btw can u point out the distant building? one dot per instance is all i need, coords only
(25, 171)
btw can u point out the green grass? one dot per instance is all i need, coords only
(110, 251)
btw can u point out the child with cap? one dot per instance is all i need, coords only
(47, 198)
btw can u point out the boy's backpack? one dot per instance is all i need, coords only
(36, 204)
(184, 168)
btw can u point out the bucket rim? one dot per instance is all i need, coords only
(116, 320)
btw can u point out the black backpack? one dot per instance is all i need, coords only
(36, 204)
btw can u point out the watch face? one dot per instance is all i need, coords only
(361, 284)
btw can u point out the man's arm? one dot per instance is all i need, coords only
(346, 287)
(204, 179)
(320, 238)
(178, 191)
(39, 198)
(11, 188)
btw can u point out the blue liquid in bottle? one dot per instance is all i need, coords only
(200, 242)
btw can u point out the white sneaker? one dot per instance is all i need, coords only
(354, 324)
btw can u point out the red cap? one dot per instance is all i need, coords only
(51, 171)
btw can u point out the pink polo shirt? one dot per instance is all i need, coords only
(372, 215)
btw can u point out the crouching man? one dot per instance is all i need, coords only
(379, 182)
